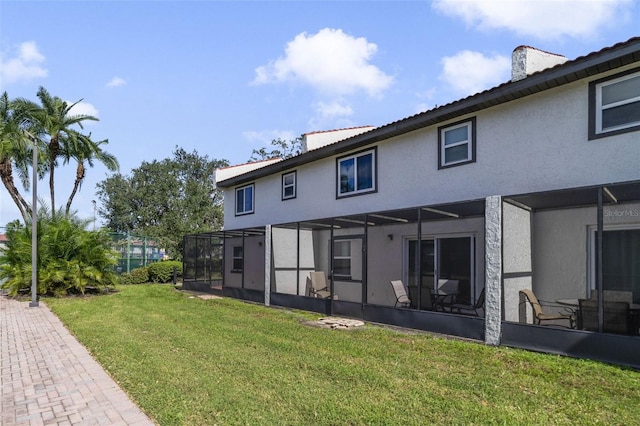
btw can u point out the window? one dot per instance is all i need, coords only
(342, 259)
(357, 173)
(244, 200)
(238, 259)
(614, 104)
(289, 186)
(457, 144)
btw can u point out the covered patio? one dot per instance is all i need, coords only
(563, 246)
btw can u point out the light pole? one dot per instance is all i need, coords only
(34, 225)
(94, 214)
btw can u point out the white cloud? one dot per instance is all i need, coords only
(330, 61)
(83, 108)
(332, 115)
(470, 72)
(27, 65)
(264, 137)
(116, 82)
(546, 19)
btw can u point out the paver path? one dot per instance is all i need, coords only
(48, 378)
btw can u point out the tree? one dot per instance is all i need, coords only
(70, 258)
(51, 129)
(14, 151)
(87, 151)
(53, 118)
(164, 200)
(280, 149)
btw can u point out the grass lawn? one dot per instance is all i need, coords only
(190, 361)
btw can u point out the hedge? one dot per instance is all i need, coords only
(162, 272)
(136, 276)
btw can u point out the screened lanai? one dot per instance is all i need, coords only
(577, 252)
(436, 252)
(563, 246)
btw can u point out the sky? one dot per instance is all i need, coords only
(224, 78)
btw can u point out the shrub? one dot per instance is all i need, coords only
(136, 276)
(162, 272)
(70, 258)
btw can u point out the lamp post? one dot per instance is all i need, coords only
(34, 225)
(94, 214)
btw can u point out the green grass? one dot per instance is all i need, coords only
(190, 361)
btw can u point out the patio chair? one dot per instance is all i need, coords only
(539, 315)
(617, 317)
(426, 297)
(317, 283)
(474, 309)
(446, 295)
(400, 292)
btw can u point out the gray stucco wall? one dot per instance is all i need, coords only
(561, 247)
(516, 258)
(253, 263)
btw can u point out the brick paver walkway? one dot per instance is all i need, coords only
(48, 378)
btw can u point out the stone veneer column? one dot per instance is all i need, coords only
(267, 265)
(493, 271)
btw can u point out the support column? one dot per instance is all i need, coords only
(493, 271)
(267, 265)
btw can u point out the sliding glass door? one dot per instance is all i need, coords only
(620, 260)
(446, 264)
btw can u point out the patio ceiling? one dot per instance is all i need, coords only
(617, 193)
(473, 208)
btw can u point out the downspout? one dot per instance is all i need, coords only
(599, 271)
(365, 254)
(331, 290)
(267, 265)
(298, 258)
(419, 260)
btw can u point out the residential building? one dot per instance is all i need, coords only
(531, 186)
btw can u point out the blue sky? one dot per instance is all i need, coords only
(225, 78)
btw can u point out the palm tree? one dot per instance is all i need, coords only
(53, 119)
(83, 149)
(14, 151)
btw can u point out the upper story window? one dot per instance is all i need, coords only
(614, 104)
(357, 173)
(457, 144)
(244, 200)
(289, 186)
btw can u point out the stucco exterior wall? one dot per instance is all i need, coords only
(533, 144)
(253, 263)
(560, 252)
(561, 247)
(516, 259)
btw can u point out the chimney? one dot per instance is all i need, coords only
(527, 60)
(315, 140)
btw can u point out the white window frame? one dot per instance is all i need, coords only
(292, 185)
(354, 157)
(470, 124)
(597, 107)
(240, 209)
